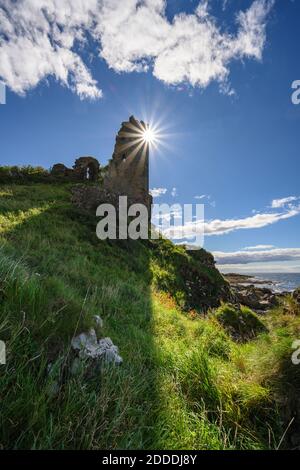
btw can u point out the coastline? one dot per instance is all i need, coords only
(276, 282)
(260, 293)
(237, 279)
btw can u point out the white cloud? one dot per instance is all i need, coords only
(222, 227)
(251, 36)
(245, 257)
(157, 192)
(198, 52)
(278, 203)
(45, 38)
(259, 247)
(37, 39)
(203, 196)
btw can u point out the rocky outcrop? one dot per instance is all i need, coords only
(256, 298)
(262, 299)
(190, 277)
(250, 292)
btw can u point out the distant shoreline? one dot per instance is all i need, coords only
(277, 282)
(234, 279)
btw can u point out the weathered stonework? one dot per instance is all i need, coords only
(128, 169)
(127, 173)
(84, 169)
(87, 168)
(59, 169)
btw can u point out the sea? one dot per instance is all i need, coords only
(277, 282)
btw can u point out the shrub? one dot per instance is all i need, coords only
(241, 323)
(290, 305)
(190, 277)
(21, 174)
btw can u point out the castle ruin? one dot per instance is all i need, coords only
(84, 169)
(127, 173)
(128, 169)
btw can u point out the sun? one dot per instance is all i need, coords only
(141, 136)
(149, 135)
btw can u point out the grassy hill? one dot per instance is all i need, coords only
(185, 382)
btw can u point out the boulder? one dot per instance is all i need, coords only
(88, 346)
(257, 298)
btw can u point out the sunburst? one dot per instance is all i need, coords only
(139, 136)
(149, 135)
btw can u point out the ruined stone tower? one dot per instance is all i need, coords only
(128, 169)
(127, 173)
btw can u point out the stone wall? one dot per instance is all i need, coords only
(87, 168)
(88, 198)
(84, 169)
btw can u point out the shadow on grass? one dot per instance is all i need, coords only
(183, 382)
(55, 275)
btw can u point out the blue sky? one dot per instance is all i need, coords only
(218, 83)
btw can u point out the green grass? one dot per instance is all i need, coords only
(184, 383)
(240, 322)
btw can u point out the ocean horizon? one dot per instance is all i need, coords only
(278, 282)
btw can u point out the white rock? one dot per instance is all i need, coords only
(98, 321)
(110, 351)
(88, 346)
(85, 340)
